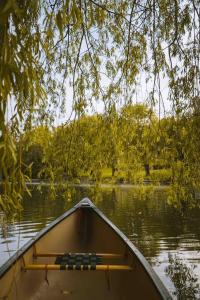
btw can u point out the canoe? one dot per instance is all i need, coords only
(81, 255)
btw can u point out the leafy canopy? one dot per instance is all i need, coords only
(89, 51)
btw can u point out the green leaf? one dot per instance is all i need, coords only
(59, 23)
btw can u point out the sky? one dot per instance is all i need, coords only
(140, 95)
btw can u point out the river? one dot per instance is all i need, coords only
(167, 237)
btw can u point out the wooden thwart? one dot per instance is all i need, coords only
(73, 267)
(103, 255)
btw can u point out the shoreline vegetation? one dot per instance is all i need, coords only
(125, 146)
(156, 179)
(130, 145)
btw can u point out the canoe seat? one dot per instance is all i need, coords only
(78, 260)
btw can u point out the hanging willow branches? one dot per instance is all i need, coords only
(74, 53)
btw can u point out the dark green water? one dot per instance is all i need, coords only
(165, 236)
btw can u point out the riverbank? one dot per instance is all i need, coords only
(37, 182)
(125, 178)
(128, 178)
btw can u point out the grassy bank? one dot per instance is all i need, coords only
(156, 177)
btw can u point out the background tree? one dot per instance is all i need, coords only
(35, 144)
(111, 140)
(138, 135)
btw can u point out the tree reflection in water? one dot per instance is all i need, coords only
(184, 279)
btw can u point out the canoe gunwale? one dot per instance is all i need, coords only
(154, 277)
(11, 261)
(86, 203)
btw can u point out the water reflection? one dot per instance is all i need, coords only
(143, 214)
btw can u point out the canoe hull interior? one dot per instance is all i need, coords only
(83, 230)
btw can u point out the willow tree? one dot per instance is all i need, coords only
(139, 136)
(72, 53)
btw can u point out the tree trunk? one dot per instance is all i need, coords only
(147, 169)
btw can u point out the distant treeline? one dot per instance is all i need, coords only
(131, 143)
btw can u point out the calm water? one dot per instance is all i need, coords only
(165, 236)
